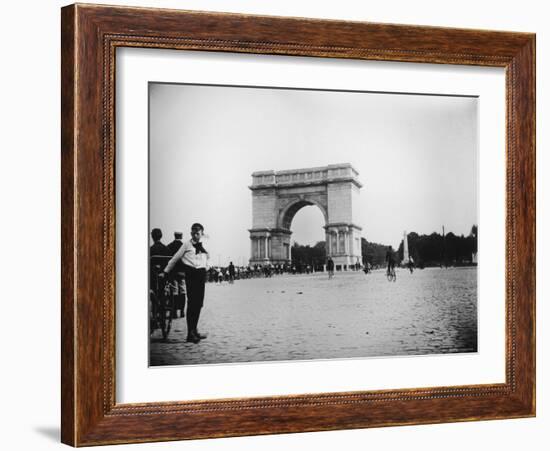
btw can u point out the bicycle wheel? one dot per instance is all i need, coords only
(153, 303)
(166, 313)
(165, 319)
(166, 324)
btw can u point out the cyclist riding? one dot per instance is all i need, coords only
(390, 259)
(410, 265)
(367, 268)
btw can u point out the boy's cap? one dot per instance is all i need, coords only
(197, 226)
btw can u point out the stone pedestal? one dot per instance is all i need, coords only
(344, 244)
(405, 249)
(269, 246)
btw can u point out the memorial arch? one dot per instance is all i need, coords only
(278, 195)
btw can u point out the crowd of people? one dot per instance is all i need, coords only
(230, 273)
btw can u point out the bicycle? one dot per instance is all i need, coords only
(161, 304)
(390, 274)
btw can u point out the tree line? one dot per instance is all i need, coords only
(314, 256)
(426, 250)
(442, 250)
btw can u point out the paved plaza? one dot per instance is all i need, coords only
(299, 317)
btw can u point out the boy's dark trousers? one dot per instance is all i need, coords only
(195, 279)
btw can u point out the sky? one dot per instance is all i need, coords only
(416, 156)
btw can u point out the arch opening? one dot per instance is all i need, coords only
(291, 210)
(307, 239)
(306, 225)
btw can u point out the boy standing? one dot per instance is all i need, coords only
(195, 260)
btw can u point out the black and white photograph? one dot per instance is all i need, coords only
(297, 224)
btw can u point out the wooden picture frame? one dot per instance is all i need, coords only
(90, 35)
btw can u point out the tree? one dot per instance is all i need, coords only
(435, 250)
(374, 253)
(308, 255)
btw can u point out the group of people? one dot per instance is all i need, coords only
(231, 272)
(186, 261)
(218, 274)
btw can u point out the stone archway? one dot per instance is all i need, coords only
(278, 195)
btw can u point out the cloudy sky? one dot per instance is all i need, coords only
(416, 156)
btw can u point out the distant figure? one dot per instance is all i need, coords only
(231, 270)
(330, 268)
(212, 274)
(195, 261)
(367, 268)
(410, 264)
(390, 259)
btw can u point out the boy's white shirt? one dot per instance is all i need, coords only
(187, 254)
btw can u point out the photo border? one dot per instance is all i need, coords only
(137, 384)
(90, 36)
